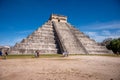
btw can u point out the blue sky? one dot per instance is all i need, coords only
(99, 19)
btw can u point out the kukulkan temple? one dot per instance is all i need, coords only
(57, 36)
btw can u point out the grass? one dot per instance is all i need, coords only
(112, 55)
(25, 56)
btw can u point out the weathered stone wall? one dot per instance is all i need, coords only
(41, 39)
(58, 18)
(89, 44)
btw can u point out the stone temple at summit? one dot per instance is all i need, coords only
(57, 36)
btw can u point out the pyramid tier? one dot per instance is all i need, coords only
(58, 36)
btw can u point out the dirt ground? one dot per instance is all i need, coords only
(64, 68)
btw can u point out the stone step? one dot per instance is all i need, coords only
(99, 52)
(31, 51)
(54, 34)
(68, 38)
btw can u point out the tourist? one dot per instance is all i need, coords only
(36, 53)
(65, 54)
(5, 55)
(0, 54)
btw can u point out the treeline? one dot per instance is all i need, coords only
(112, 44)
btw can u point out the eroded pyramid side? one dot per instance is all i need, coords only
(42, 39)
(91, 46)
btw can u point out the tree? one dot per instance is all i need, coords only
(106, 41)
(114, 45)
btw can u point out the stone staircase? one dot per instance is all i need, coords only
(89, 44)
(70, 42)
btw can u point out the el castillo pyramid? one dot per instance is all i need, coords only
(58, 36)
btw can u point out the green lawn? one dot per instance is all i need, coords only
(11, 56)
(112, 55)
(24, 56)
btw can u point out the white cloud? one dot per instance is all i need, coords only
(99, 38)
(95, 36)
(11, 41)
(14, 41)
(107, 26)
(91, 33)
(105, 34)
(20, 36)
(103, 26)
(101, 31)
(18, 39)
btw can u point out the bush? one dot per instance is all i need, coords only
(114, 45)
